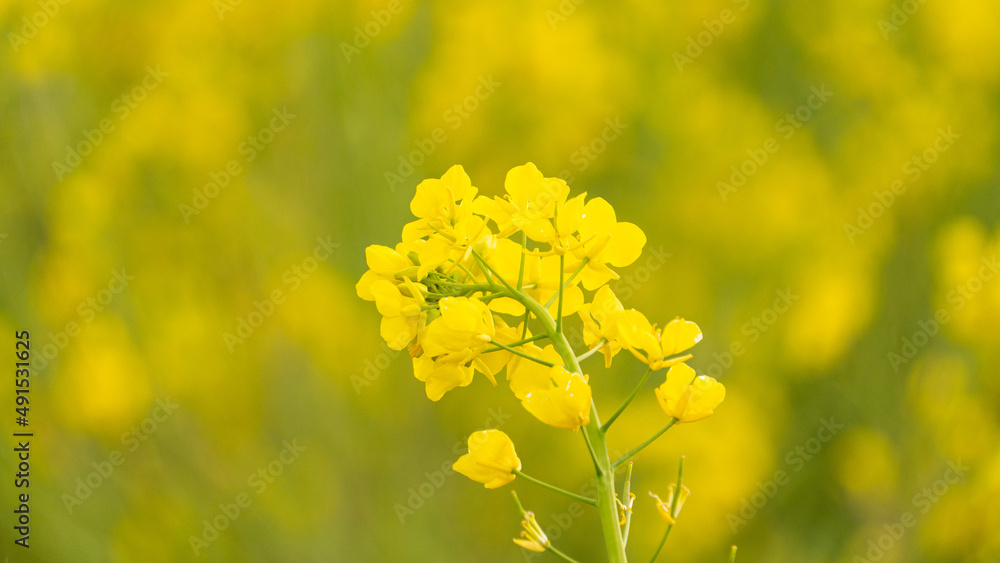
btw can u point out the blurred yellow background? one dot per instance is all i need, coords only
(188, 188)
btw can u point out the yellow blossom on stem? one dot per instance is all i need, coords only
(600, 322)
(455, 244)
(652, 345)
(663, 508)
(526, 376)
(491, 459)
(532, 537)
(446, 227)
(529, 206)
(689, 397)
(442, 374)
(386, 261)
(464, 323)
(605, 241)
(491, 363)
(453, 345)
(562, 402)
(435, 199)
(402, 315)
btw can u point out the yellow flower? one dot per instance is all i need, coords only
(636, 334)
(363, 287)
(561, 402)
(529, 206)
(606, 241)
(688, 397)
(384, 263)
(526, 376)
(491, 459)
(446, 227)
(442, 374)
(664, 507)
(435, 199)
(532, 536)
(402, 315)
(454, 243)
(464, 324)
(600, 322)
(490, 364)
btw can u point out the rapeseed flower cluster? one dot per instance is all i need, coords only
(479, 284)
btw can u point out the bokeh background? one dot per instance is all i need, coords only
(647, 104)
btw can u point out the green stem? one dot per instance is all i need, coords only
(468, 273)
(673, 508)
(606, 506)
(555, 489)
(520, 272)
(472, 287)
(572, 277)
(662, 542)
(627, 495)
(562, 264)
(521, 342)
(486, 267)
(592, 351)
(517, 501)
(590, 448)
(492, 296)
(732, 555)
(621, 409)
(562, 555)
(638, 449)
(524, 355)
